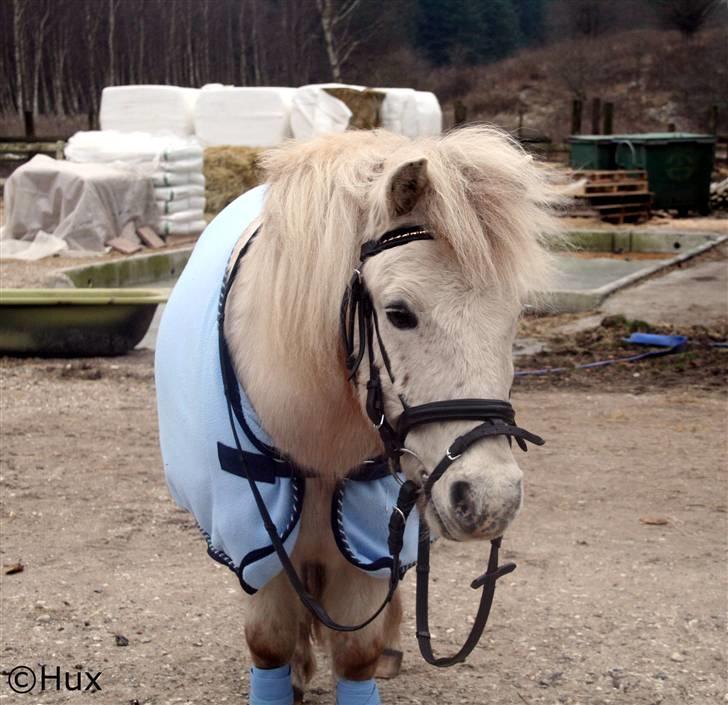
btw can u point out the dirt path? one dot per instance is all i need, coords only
(603, 608)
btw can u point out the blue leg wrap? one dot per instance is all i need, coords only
(357, 692)
(271, 686)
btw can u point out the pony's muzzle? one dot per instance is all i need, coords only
(476, 509)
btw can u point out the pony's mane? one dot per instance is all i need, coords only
(485, 196)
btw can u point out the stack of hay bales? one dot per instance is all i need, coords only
(173, 163)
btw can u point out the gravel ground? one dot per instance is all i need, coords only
(620, 594)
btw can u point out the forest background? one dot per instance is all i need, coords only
(516, 63)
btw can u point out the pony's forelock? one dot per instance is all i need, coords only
(485, 196)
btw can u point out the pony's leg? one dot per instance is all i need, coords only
(350, 597)
(390, 662)
(271, 631)
(303, 665)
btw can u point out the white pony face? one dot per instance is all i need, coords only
(447, 338)
(448, 341)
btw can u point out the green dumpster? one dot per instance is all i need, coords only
(592, 152)
(678, 164)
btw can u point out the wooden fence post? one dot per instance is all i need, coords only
(608, 119)
(29, 123)
(713, 120)
(596, 115)
(576, 110)
(460, 113)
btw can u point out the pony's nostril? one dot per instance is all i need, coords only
(461, 497)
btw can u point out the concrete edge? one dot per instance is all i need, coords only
(573, 301)
(131, 271)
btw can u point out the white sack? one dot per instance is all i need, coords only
(249, 117)
(399, 111)
(182, 165)
(429, 114)
(148, 109)
(196, 204)
(169, 227)
(172, 178)
(315, 112)
(174, 193)
(83, 204)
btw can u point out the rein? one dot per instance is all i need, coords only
(359, 331)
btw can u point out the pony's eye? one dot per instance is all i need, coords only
(401, 317)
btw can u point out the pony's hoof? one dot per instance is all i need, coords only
(389, 664)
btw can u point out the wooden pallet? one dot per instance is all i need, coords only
(620, 213)
(617, 196)
(611, 175)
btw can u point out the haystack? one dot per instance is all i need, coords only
(229, 171)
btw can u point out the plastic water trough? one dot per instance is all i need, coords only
(75, 322)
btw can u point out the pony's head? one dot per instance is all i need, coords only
(447, 307)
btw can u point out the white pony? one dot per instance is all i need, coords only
(447, 309)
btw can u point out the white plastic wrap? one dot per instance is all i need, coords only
(148, 108)
(399, 111)
(429, 114)
(248, 117)
(315, 112)
(135, 147)
(84, 205)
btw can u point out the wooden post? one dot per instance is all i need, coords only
(596, 114)
(713, 120)
(576, 110)
(671, 127)
(460, 113)
(608, 119)
(519, 132)
(29, 123)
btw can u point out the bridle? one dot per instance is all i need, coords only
(359, 330)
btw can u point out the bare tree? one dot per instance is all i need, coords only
(19, 8)
(687, 16)
(336, 25)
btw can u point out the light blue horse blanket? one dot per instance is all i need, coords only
(203, 467)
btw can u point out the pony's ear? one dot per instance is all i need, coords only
(406, 186)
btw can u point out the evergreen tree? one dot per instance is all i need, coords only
(467, 31)
(531, 20)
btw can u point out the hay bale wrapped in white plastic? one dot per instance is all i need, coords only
(131, 147)
(315, 112)
(399, 111)
(249, 117)
(429, 114)
(148, 108)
